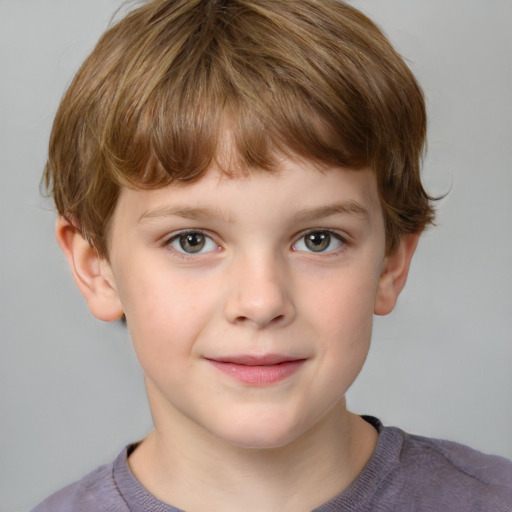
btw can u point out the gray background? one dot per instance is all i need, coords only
(71, 391)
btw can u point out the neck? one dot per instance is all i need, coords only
(189, 471)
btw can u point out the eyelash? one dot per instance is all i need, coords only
(208, 240)
(332, 236)
(182, 237)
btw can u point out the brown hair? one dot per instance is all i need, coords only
(313, 78)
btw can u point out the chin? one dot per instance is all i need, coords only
(260, 435)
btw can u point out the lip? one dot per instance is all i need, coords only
(258, 370)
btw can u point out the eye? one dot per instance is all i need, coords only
(192, 242)
(318, 241)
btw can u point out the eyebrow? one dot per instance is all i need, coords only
(341, 208)
(185, 213)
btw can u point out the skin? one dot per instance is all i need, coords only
(256, 287)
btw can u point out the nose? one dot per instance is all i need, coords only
(259, 293)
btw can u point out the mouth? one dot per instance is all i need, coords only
(258, 370)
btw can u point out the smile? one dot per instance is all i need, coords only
(258, 371)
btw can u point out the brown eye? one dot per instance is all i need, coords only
(318, 241)
(192, 242)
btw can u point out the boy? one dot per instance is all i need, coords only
(240, 181)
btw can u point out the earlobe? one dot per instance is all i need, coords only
(92, 274)
(394, 274)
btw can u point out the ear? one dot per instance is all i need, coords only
(394, 273)
(93, 275)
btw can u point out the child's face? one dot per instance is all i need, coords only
(250, 300)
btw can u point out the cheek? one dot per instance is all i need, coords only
(343, 319)
(165, 315)
(342, 301)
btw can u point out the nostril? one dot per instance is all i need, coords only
(260, 302)
(246, 319)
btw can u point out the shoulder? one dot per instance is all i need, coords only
(454, 472)
(490, 469)
(96, 492)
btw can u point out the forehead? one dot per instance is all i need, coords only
(293, 186)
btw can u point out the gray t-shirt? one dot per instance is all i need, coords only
(406, 473)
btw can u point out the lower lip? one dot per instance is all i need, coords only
(259, 375)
